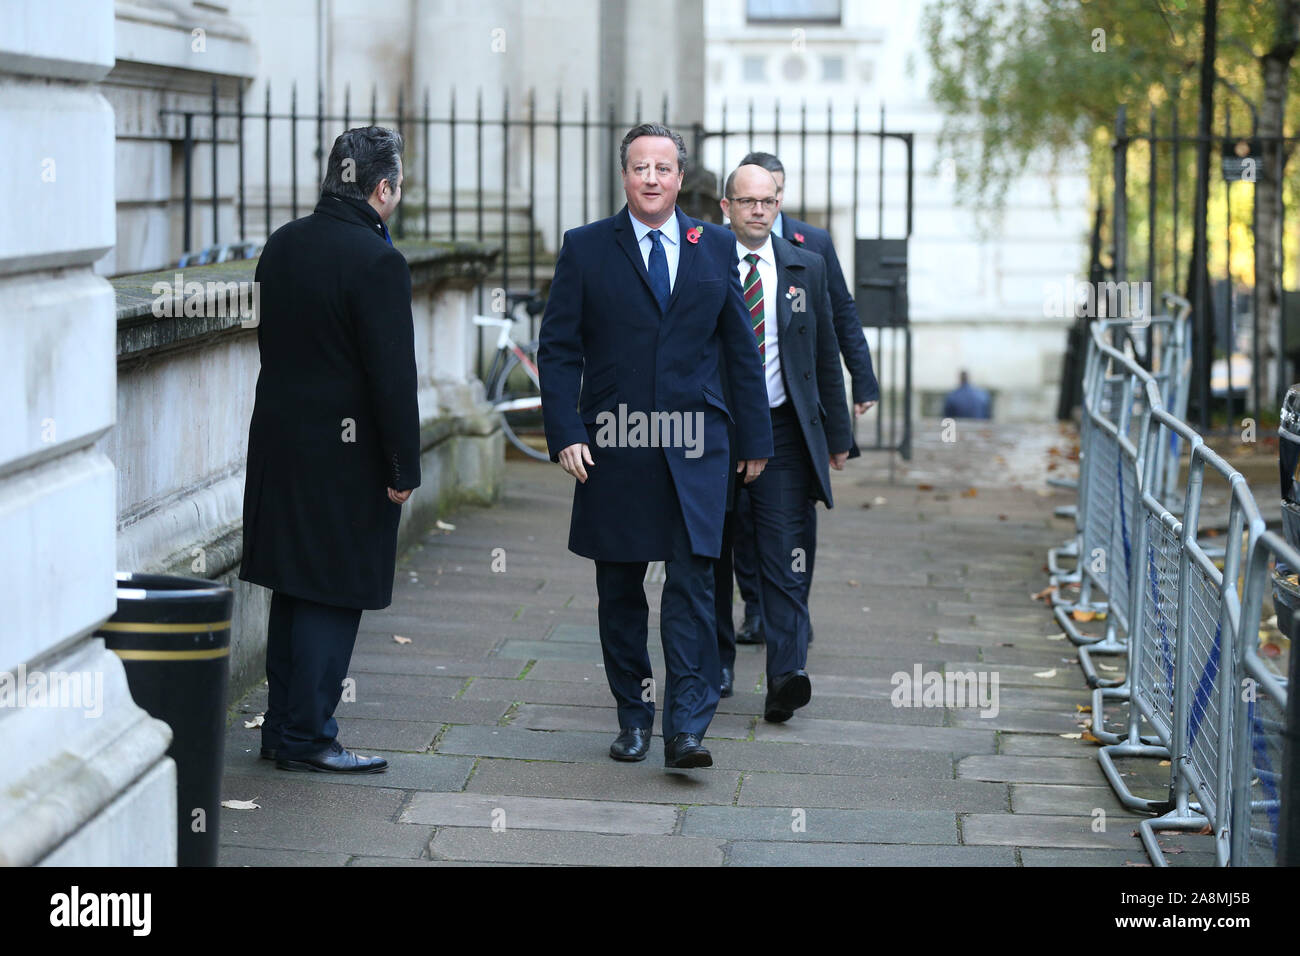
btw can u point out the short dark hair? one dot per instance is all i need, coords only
(766, 160)
(652, 129)
(726, 189)
(374, 152)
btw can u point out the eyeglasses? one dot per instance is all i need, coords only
(747, 203)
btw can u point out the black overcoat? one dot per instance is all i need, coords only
(606, 346)
(336, 420)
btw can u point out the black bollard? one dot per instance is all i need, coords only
(173, 636)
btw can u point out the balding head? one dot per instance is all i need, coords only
(750, 204)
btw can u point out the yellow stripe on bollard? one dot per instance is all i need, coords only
(128, 627)
(211, 654)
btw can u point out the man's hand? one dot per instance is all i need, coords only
(838, 459)
(399, 497)
(752, 468)
(571, 460)
(861, 408)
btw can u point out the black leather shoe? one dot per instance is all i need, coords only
(751, 631)
(335, 759)
(728, 682)
(268, 753)
(786, 693)
(632, 743)
(685, 751)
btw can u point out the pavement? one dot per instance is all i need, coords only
(495, 717)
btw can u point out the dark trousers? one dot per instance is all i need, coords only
(744, 559)
(722, 592)
(686, 627)
(308, 649)
(779, 501)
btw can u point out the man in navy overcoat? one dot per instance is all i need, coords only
(644, 309)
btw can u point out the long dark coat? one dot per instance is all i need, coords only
(848, 330)
(605, 342)
(810, 358)
(336, 420)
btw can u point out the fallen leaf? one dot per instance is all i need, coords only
(852, 583)
(1055, 637)
(1106, 667)
(1044, 594)
(877, 501)
(401, 640)
(970, 493)
(241, 804)
(1085, 616)
(444, 526)
(1205, 831)
(1070, 736)
(1083, 708)
(924, 487)
(1165, 763)
(1270, 650)
(1046, 674)
(255, 722)
(1088, 736)
(1132, 863)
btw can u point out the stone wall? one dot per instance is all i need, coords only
(85, 781)
(185, 397)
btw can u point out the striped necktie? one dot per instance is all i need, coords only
(754, 302)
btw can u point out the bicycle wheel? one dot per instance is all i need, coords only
(522, 422)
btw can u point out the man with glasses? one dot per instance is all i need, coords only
(789, 306)
(857, 357)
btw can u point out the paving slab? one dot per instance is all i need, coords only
(863, 734)
(860, 854)
(497, 811)
(406, 771)
(262, 856)
(1068, 800)
(822, 825)
(574, 849)
(318, 818)
(872, 793)
(1027, 769)
(1027, 829)
(644, 782)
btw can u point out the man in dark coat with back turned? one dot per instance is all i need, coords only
(334, 443)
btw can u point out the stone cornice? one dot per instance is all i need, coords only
(141, 334)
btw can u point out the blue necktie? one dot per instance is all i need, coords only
(659, 271)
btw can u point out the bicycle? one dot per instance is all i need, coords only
(511, 383)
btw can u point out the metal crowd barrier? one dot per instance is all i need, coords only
(1185, 613)
(1171, 356)
(1260, 704)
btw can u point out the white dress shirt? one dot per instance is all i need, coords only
(771, 344)
(669, 238)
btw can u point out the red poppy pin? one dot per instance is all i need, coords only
(693, 234)
(798, 237)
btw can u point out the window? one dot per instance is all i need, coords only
(755, 69)
(833, 69)
(792, 11)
